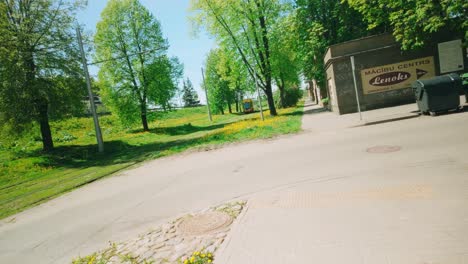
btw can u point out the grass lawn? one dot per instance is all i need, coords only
(28, 176)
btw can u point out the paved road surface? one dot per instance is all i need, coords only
(322, 183)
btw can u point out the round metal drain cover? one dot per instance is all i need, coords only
(383, 149)
(204, 223)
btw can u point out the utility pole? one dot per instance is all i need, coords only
(353, 68)
(206, 95)
(90, 93)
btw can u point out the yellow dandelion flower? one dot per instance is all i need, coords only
(192, 259)
(203, 255)
(209, 255)
(186, 261)
(209, 261)
(91, 261)
(196, 253)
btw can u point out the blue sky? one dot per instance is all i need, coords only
(173, 16)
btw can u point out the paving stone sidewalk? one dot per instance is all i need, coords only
(174, 241)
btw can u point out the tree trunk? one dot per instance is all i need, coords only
(237, 105)
(311, 91)
(41, 104)
(47, 143)
(229, 107)
(265, 60)
(270, 99)
(221, 110)
(282, 98)
(144, 120)
(314, 89)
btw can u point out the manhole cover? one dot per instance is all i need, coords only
(383, 149)
(204, 223)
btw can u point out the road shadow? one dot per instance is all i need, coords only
(463, 109)
(307, 112)
(308, 103)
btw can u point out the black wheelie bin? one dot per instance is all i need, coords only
(438, 94)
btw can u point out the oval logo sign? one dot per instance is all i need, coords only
(390, 78)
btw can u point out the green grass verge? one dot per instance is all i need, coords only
(28, 176)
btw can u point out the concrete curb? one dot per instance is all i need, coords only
(235, 227)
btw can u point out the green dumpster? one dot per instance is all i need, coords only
(438, 94)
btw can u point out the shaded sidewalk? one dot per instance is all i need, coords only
(318, 119)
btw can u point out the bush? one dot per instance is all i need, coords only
(65, 137)
(325, 101)
(291, 97)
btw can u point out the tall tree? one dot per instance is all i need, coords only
(285, 60)
(244, 25)
(164, 77)
(39, 68)
(320, 24)
(230, 69)
(190, 96)
(131, 47)
(218, 81)
(414, 22)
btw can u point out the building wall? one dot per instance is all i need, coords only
(368, 53)
(345, 87)
(331, 87)
(342, 77)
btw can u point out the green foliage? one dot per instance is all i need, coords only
(319, 24)
(414, 22)
(109, 255)
(286, 66)
(66, 137)
(219, 80)
(39, 70)
(291, 96)
(135, 68)
(164, 76)
(244, 27)
(198, 257)
(325, 101)
(124, 105)
(190, 96)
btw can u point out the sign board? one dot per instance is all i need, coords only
(396, 76)
(451, 56)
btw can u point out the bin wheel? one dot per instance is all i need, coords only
(432, 113)
(460, 109)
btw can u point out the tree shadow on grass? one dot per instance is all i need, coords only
(182, 129)
(116, 152)
(248, 113)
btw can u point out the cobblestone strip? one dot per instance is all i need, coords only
(173, 241)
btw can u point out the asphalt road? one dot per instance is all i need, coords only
(316, 160)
